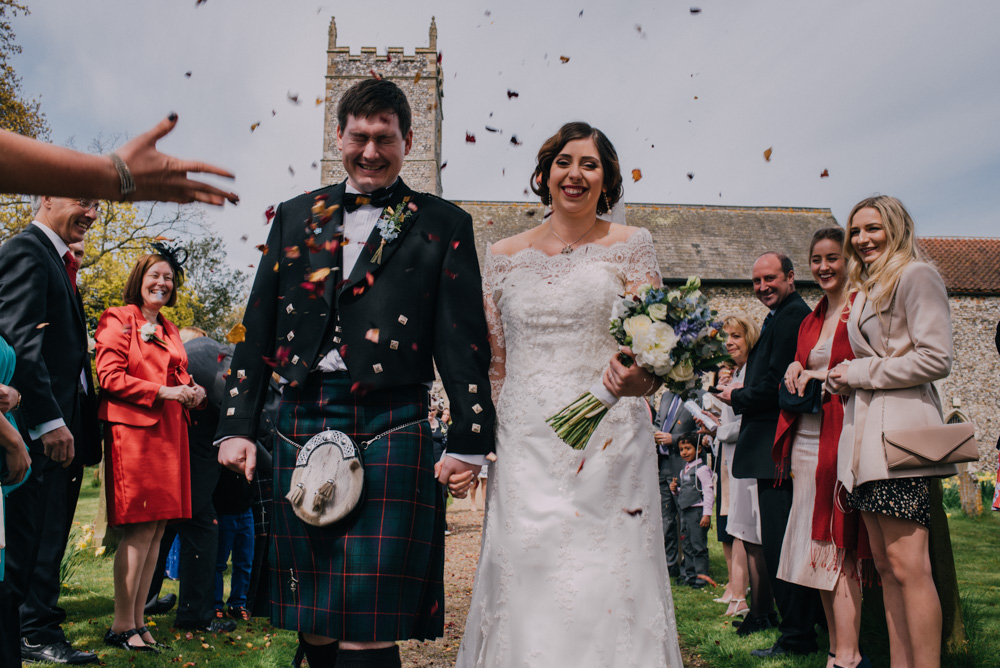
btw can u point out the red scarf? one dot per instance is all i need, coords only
(829, 523)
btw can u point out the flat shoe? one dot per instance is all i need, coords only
(120, 640)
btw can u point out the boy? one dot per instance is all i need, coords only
(695, 498)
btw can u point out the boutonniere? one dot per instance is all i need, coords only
(148, 333)
(390, 224)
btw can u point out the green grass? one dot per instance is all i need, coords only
(705, 630)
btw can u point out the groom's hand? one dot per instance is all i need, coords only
(457, 475)
(239, 455)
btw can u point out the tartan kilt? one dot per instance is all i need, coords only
(378, 574)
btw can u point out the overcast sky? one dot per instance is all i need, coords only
(899, 97)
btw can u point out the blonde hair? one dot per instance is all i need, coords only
(751, 330)
(191, 332)
(878, 280)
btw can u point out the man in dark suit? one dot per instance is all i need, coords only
(757, 402)
(672, 419)
(208, 360)
(365, 285)
(42, 317)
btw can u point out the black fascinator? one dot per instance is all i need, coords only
(175, 256)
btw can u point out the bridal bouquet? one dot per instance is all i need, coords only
(674, 335)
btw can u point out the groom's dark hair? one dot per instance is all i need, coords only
(371, 97)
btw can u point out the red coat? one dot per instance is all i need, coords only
(130, 371)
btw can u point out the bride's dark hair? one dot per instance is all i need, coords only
(605, 149)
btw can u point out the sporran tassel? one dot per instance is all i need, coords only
(296, 493)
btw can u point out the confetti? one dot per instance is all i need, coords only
(491, 129)
(564, 59)
(244, 238)
(293, 252)
(511, 93)
(514, 141)
(372, 335)
(607, 443)
(262, 248)
(375, 75)
(638, 29)
(444, 164)
(690, 176)
(470, 138)
(696, 10)
(636, 175)
(254, 126)
(767, 155)
(320, 100)
(268, 214)
(314, 165)
(633, 513)
(825, 174)
(237, 334)
(188, 74)
(41, 325)
(580, 468)
(319, 275)
(416, 79)
(291, 170)
(293, 97)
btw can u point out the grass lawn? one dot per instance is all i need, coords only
(705, 633)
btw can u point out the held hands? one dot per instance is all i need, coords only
(163, 177)
(837, 378)
(240, 455)
(58, 445)
(705, 522)
(631, 381)
(185, 394)
(199, 395)
(457, 475)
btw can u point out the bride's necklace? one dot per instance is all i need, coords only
(568, 247)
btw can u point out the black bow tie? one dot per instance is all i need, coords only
(380, 198)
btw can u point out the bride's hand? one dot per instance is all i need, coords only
(632, 381)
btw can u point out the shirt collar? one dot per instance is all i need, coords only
(61, 247)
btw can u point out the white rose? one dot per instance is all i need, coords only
(683, 372)
(694, 296)
(652, 347)
(673, 294)
(637, 325)
(658, 311)
(620, 308)
(147, 331)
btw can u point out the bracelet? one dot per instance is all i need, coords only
(652, 384)
(18, 404)
(124, 175)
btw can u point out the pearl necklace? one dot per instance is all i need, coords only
(568, 247)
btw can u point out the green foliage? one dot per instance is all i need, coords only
(17, 114)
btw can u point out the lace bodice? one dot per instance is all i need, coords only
(549, 315)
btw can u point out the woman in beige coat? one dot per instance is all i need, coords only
(900, 332)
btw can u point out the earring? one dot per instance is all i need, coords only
(548, 196)
(607, 205)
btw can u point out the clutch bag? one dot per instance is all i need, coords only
(930, 446)
(810, 402)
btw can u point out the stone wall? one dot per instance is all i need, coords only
(418, 75)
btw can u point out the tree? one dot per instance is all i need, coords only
(23, 116)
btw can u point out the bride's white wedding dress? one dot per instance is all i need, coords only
(572, 570)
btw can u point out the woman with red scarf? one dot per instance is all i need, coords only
(822, 544)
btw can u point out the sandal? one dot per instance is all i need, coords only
(724, 599)
(735, 610)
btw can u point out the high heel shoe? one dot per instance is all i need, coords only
(120, 640)
(724, 599)
(143, 630)
(737, 611)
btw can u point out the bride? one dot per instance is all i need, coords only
(572, 570)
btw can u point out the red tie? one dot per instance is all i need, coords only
(71, 266)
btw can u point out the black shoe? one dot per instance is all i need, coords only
(143, 630)
(771, 652)
(698, 584)
(120, 640)
(752, 624)
(57, 652)
(161, 605)
(214, 626)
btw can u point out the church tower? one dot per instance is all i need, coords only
(418, 75)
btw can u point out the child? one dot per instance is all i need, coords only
(695, 498)
(236, 536)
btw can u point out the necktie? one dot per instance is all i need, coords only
(766, 320)
(378, 198)
(71, 266)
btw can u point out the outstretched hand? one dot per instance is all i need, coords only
(164, 178)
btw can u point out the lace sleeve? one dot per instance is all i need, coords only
(641, 265)
(492, 278)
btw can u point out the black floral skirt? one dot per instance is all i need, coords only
(905, 498)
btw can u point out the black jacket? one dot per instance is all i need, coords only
(424, 298)
(42, 317)
(757, 400)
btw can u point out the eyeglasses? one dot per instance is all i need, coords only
(88, 204)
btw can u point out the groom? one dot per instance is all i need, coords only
(364, 286)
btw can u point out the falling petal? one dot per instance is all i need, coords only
(372, 335)
(293, 97)
(514, 141)
(491, 129)
(767, 155)
(825, 174)
(444, 164)
(696, 10)
(564, 59)
(254, 126)
(580, 468)
(244, 238)
(633, 513)
(320, 100)
(268, 214)
(237, 334)
(511, 93)
(291, 170)
(470, 138)
(262, 248)
(636, 174)
(416, 79)
(41, 325)
(375, 75)
(188, 74)
(690, 176)
(319, 275)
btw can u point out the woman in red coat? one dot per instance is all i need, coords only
(146, 393)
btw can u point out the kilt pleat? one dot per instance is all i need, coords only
(377, 575)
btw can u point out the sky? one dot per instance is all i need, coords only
(899, 97)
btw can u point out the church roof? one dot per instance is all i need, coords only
(969, 266)
(716, 243)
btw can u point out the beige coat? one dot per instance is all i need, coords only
(900, 379)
